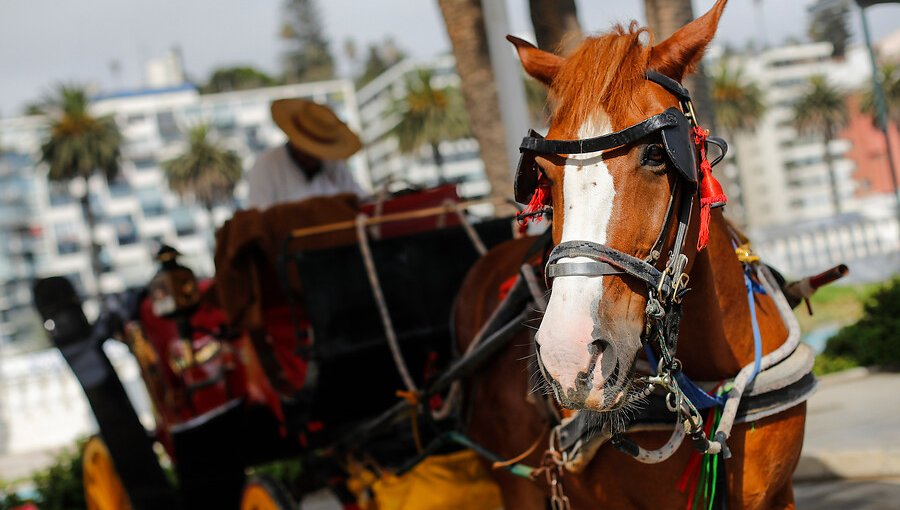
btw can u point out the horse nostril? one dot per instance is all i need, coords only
(598, 346)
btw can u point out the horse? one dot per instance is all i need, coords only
(586, 348)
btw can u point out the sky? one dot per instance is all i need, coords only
(44, 42)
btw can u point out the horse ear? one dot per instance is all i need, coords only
(540, 64)
(678, 55)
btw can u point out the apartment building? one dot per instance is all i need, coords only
(42, 227)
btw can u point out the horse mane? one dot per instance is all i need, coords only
(603, 72)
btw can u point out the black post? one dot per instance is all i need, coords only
(878, 91)
(81, 345)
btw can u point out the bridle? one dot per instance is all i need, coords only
(678, 129)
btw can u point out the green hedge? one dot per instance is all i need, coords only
(58, 487)
(875, 339)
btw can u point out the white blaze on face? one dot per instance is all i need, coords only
(567, 328)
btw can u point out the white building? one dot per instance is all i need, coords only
(785, 186)
(387, 165)
(137, 211)
(783, 175)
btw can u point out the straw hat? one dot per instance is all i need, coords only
(314, 129)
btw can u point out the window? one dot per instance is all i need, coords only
(126, 232)
(67, 241)
(168, 128)
(59, 195)
(119, 188)
(144, 163)
(183, 219)
(134, 118)
(151, 202)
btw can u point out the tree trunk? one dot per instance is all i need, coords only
(465, 27)
(664, 17)
(438, 162)
(555, 24)
(93, 247)
(211, 222)
(832, 176)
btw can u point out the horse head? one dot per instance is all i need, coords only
(618, 196)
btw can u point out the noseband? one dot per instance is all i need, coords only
(666, 287)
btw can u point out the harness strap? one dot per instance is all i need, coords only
(677, 89)
(608, 261)
(582, 269)
(539, 144)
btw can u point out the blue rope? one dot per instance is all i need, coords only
(694, 393)
(753, 288)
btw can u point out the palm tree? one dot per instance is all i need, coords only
(206, 171)
(890, 83)
(665, 17)
(822, 111)
(465, 27)
(429, 115)
(738, 107)
(79, 146)
(555, 23)
(738, 103)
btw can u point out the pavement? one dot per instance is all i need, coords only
(853, 428)
(849, 494)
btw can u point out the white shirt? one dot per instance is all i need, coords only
(275, 178)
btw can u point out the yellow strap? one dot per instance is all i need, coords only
(413, 398)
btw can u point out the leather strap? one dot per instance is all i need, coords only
(600, 143)
(607, 258)
(582, 269)
(677, 89)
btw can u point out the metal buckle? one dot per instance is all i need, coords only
(679, 284)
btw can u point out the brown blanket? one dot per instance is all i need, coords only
(248, 246)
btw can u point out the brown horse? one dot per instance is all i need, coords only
(594, 325)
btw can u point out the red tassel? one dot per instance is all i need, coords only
(540, 199)
(712, 196)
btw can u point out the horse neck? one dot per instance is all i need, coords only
(716, 337)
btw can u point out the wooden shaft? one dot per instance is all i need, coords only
(388, 218)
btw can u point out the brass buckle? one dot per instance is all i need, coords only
(679, 284)
(662, 281)
(689, 106)
(745, 254)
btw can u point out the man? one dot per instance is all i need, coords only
(311, 163)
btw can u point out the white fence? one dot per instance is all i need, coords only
(43, 408)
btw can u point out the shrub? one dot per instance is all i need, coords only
(875, 339)
(60, 486)
(828, 364)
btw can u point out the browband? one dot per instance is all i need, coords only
(601, 143)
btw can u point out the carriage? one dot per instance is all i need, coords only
(326, 343)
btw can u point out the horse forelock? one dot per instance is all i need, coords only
(603, 74)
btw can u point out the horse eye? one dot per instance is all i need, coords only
(654, 155)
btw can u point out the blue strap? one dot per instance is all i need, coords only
(694, 393)
(757, 337)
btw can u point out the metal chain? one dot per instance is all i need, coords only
(553, 466)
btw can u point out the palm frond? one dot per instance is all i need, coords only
(79, 144)
(738, 103)
(206, 171)
(821, 110)
(428, 115)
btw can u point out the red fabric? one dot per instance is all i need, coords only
(711, 193)
(506, 286)
(424, 199)
(540, 199)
